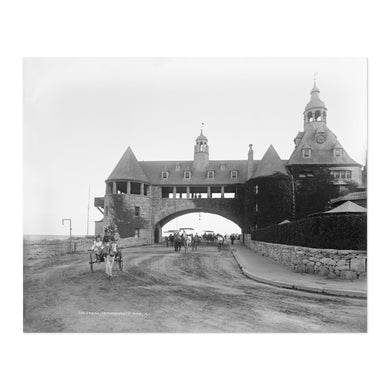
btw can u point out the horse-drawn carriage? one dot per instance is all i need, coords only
(109, 252)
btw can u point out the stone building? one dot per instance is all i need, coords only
(142, 196)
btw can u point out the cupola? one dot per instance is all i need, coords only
(315, 110)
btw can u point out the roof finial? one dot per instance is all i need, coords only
(201, 129)
(315, 78)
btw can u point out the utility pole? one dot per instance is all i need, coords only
(89, 197)
(70, 231)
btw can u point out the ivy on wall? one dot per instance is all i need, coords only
(312, 194)
(271, 204)
(123, 217)
(332, 231)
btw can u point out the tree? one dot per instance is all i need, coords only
(312, 193)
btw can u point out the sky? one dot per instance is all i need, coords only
(80, 115)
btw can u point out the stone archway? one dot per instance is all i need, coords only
(227, 208)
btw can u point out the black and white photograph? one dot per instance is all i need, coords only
(195, 195)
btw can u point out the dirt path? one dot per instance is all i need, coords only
(164, 291)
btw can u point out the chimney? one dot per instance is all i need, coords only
(250, 161)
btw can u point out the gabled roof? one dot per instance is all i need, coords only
(153, 171)
(128, 168)
(347, 207)
(322, 153)
(270, 164)
(362, 195)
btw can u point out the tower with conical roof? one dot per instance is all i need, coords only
(201, 152)
(315, 110)
(268, 194)
(319, 156)
(127, 202)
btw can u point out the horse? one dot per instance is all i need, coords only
(110, 253)
(220, 242)
(186, 241)
(177, 242)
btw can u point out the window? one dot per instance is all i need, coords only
(341, 174)
(210, 174)
(256, 189)
(306, 153)
(256, 207)
(146, 189)
(137, 232)
(187, 175)
(338, 152)
(109, 188)
(137, 211)
(135, 188)
(164, 175)
(305, 174)
(222, 167)
(233, 174)
(121, 187)
(177, 168)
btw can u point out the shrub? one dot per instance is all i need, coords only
(341, 231)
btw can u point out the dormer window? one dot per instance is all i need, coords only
(233, 174)
(187, 175)
(177, 168)
(338, 152)
(164, 175)
(306, 153)
(222, 167)
(210, 174)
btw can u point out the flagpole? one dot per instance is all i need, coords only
(89, 197)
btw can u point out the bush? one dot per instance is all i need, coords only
(323, 231)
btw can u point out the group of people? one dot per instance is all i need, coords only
(106, 249)
(178, 241)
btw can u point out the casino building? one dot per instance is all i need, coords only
(142, 196)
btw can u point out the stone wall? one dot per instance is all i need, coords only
(332, 263)
(50, 248)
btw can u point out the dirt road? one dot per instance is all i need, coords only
(164, 291)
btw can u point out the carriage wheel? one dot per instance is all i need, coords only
(91, 261)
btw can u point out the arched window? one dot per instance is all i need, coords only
(317, 116)
(310, 116)
(306, 152)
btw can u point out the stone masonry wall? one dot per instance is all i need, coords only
(332, 263)
(46, 248)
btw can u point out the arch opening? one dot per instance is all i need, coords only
(199, 220)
